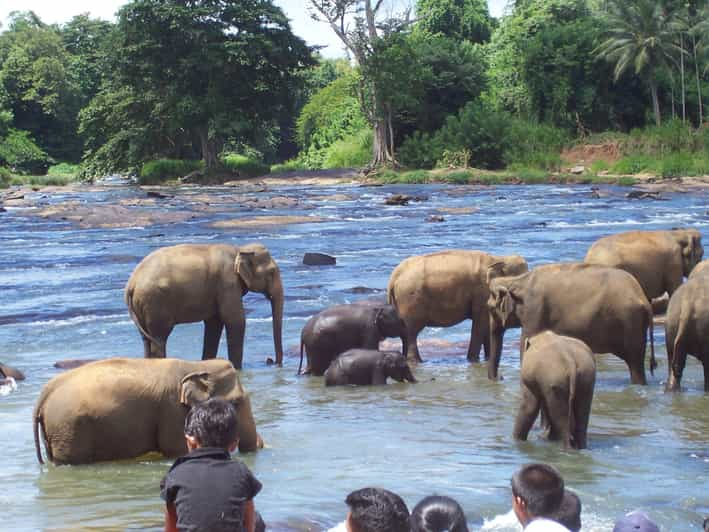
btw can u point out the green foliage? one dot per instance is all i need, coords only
(42, 180)
(467, 20)
(353, 151)
(534, 145)
(63, 170)
(458, 177)
(414, 177)
(157, 171)
(21, 153)
(5, 176)
(599, 166)
(292, 165)
(245, 166)
(633, 164)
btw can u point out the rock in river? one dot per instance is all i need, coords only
(319, 259)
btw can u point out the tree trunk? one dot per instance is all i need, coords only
(381, 152)
(210, 149)
(681, 67)
(699, 84)
(655, 101)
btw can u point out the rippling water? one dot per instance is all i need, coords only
(62, 297)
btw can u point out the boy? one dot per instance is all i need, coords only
(537, 494)
(206, 489)
(376, 510)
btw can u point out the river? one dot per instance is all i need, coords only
(450, 434)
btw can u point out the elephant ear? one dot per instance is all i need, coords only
(496, 269)
(195, 387)
(245, 267)
(505, 303)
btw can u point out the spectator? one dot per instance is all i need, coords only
(706, 525)
(635, 521)
(376, 510)
(537, 493)
(206, 490)
(436, 514)
(569, 513)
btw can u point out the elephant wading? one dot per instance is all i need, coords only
(657, 259)
(687, 327)
(557, 377)
(443, 289)
(601, 306)
(196, 282)
(124, 407)
(342, 327)
(368, 366)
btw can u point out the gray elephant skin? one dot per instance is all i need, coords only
(125, 407)
(445, 288)
(557, 377)
(687, 327)
(9, 371)
(342, 327)
(604, 307)
(659, 260)
(368, 366)
(196, 282)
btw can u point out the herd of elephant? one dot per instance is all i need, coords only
(567, 312)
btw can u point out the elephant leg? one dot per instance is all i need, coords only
(582, 411)
(528, 410)
(705, 363)
(147, 351)
(637, 373)
(171, 437)
(557, 406)
(479, 332)
(412, 333)
(160, 332)
(235, 341)
(676, 360)
(212, 333)
(249, 440)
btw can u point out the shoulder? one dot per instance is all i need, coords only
(545, 525)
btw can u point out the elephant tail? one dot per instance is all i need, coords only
(572, 402)
(300, 366)
(36, 422)
(391, 297)
(136, 319)
(651, 332)
(679, 339)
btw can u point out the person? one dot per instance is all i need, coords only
(206, 490)
(437, 513)
(537, 493)
(569, 512)
(635, 521)
(706, 525)
(376, 510)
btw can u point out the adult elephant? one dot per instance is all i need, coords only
(659, 260)
(557, 377)
(443, 289)
(700, 269)
(203, 282)
(368, 366)
(687, 327)
(342, 327)
(602, 306)
(125, 407)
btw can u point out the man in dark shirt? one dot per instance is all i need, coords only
(206, 490)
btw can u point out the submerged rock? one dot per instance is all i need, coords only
(8, 371)
(641, 194)
(403, 199)
(265, 221)
(319, 259)
(435, 218)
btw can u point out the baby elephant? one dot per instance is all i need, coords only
(368, 366)
(557, 376)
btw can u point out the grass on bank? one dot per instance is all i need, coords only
(58, 175)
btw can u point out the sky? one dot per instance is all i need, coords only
(314, 33)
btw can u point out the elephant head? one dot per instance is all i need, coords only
(690, 241)
(396, 367)
(390, 325)
(508, 266)
(506, 298)
(259, 273)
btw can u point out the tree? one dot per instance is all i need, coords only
(458, 19)
(213, 68)
(640, 35)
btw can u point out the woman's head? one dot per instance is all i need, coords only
(436, 514)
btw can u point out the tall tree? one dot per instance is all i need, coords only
(459, 19)
(640, 35)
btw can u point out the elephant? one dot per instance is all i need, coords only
(122, 408)
(699, 269)
(557, 377)
(443, 289)
(687, 327)
(602, 306)
(8, 371)
(342, 327)
(203, 282)
(368, 366)
(657, 259)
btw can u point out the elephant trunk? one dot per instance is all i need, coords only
(497, 333)
(276, 296)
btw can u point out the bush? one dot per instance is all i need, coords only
(459, 177)
(676, 165)
(351, 152)
(420, 150)
(293, 165)
(21, 154)
(42, 180)
(245, 166)
(64, 170)
(633, 164)
(534, 145)
(4, 177)
(159, 170)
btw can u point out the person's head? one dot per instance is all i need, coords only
(537, 491)
(706, 525)
(376, 510)
(436, 514)
(212, 423)
(635, 521)
(569, 512)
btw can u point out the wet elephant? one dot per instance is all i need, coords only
(125, 407)
(604, 307)
(342, 327)
(443, 289)
(659, 260)
(368, 366)
(687, 327)
(557, 377)
(199, 282)
(8, 371)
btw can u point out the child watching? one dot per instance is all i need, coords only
(207, 490)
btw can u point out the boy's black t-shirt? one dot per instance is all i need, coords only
(208, 490)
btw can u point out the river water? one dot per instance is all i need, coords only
(62, 297)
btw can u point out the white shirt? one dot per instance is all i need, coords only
(545, 525)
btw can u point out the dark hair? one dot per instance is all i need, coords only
(212, 423)
(436, 514)
(377, 510)
(540, 486)
(569, 512)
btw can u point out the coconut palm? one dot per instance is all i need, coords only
(641, 34)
